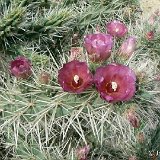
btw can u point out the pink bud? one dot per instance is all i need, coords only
(116, 28)
(152, 19)
(150, 35)
(128, 47)
(98, 46)
(21, 67)
(82, 152)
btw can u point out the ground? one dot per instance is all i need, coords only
(149, 6)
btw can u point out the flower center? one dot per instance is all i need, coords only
(117, 29)
(77, 81)
(111, 87)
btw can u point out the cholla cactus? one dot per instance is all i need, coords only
(40, 120)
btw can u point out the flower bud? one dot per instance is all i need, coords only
(98, 46)
(116, 28)
(82, 152)
(150, 35)
(140, 137)
(152, 19)
(132, 118)
(20, 67)
(141, 76)
(128, 47)
(44, 78)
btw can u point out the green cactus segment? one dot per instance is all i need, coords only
(10, 21)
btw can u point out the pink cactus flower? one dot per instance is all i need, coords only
(128, 47)
(98, 46)
(115, 82)
(75, 77)
(116, 28)
(20, 67)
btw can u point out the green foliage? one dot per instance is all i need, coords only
(44, 22)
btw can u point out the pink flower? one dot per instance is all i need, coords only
(75, 77)
(150, 35)
(116, 28)
(115, 82)
(21, 67)
(98, 46)
(128, 47)
(82, 152)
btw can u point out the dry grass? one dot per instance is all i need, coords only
(149, 6)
